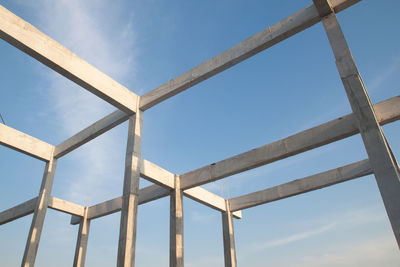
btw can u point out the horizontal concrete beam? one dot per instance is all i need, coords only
(164, 178)
(248, 48)
(146, 194)
(300, 186)
(156, 174)
(18, 211)
(66, 206)
(151, 193)
(209, 199)
(91, 132)
(387, 111)
(24, 143)
(30, 40)
(105, 208)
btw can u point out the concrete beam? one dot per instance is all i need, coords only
(82, 241)
(18, 211)
(323, 7)
(105, 208)
(151, 193)
(91, 132)
(66, 206)
(24, 143)
(387, 111)
(146, 194)
(304, 185)
(209, 199)
(176, 257)
(156, 174)
(35, 231)
(228, 237)
(30, 40)
(248, 48)
(383, 161)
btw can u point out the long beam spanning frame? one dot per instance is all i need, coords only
(30, 40)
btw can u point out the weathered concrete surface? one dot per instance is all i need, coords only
(156, 174)
(209, 199)
(381, 158)
(24, 143)
(176, 258)
(18, 211)
(228, 237)
(248, 48)
(30, 40)
(340, 128)
(105, 208)
(323, 7)
(130, 197)
(82, 241)
(35, 231)
(91, 132)
(300, 186)
(66, 206)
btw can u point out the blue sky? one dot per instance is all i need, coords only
(285, 89)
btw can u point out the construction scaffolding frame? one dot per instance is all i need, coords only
(365, 120)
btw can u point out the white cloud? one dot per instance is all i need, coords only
(296, 237)
(98, 35)
(360, 253)
(343, 220)
(384, 74)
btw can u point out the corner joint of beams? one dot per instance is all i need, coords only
(324, 7)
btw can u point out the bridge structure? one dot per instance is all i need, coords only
(366, 119)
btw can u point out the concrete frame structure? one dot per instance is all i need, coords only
(366, 119)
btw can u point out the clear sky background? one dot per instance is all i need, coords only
(283, 90)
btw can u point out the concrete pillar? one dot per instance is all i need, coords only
(176, 226)
(82, 241)
(381, 159)
(229, 237)
(35, 231)
(127, 234)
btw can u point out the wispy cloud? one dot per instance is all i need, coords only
(384, 74)
(296, 237)
(85, 31)
(365, 253)
(343, 220)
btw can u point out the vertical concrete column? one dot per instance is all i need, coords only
(229, 237)
(127, 234)
(35, 231)
(82, 241)
(381, 159)
(176, 226)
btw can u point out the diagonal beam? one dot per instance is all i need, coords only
(304, 185)
(18, 211)
(30, 40)
(66, 206)
(383, 161)
(91, 132)
(24, 143)
(248, 48)
(387, 111)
